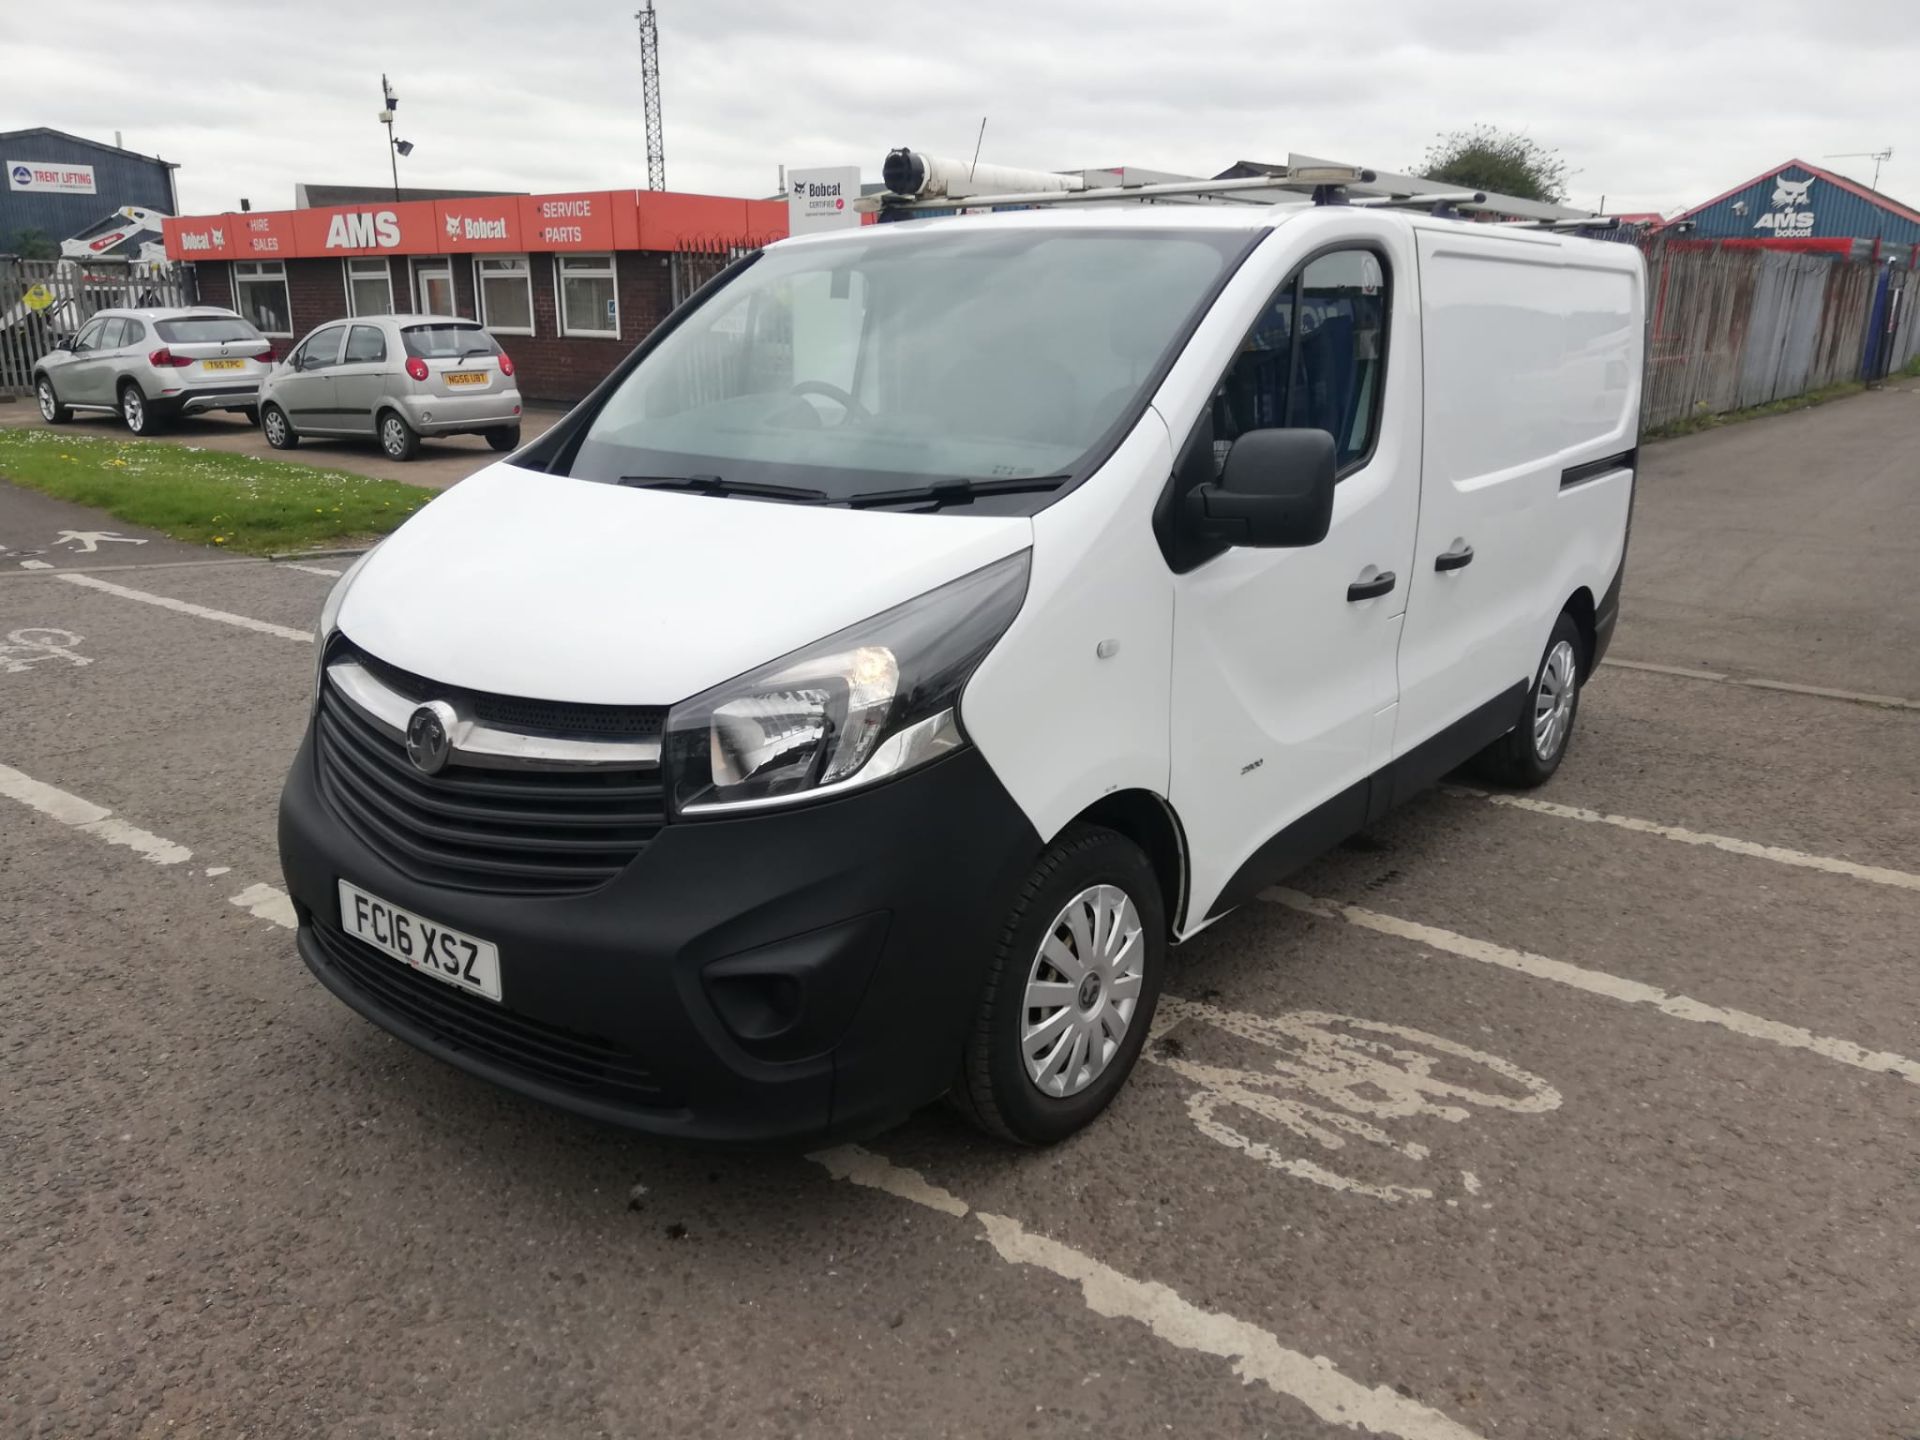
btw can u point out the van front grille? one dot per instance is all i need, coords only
(523, 832)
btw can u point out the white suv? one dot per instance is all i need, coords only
(149, 366)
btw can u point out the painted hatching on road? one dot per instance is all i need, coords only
(1333, 1087)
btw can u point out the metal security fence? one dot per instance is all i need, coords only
(43, 302)
(1730, 328)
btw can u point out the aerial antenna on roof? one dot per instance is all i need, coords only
(981, 140)
(1879, 158)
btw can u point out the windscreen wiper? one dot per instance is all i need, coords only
(715, 485)
(954, 492)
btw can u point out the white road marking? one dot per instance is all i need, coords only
(1680, 670)
(216, 870)
(1825, 692)
(28, 647)
(35, 565)
(1256, 1353)
(1779, 854)
(268, 902)
(312, 570)
(167, 602)
(88, 541)
(1359, 1075)
(1612, 987)
(95, 820)
(1471, 1181)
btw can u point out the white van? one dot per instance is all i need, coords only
(853, 699)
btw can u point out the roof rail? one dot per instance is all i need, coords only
(920, 183)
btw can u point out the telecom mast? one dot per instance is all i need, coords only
(650, 98)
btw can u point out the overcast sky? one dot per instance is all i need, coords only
(1656, 104)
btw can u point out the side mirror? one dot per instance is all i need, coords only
(1276, 492)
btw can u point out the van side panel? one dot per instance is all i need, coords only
(1071, 705)
(1533, 347)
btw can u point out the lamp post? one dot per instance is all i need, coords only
(395, 148)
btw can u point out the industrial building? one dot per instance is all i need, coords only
(59, 185)
(569, 283)
(1804, 207)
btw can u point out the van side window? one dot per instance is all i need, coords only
(1315, 359)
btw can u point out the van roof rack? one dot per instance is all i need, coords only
(929, 183)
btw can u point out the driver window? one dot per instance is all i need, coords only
(1314, 360)
(322, 348)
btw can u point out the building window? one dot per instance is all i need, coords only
(433, 288)
(369, 287)
(589, 300)
(506, 294)
(260, 294)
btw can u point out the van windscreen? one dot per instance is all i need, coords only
(448, 342)
(893, 359)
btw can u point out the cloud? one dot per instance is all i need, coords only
(1654, 103)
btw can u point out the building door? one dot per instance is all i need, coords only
(433, 288)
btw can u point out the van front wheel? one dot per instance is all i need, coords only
(1528, 754)
(1070, 991)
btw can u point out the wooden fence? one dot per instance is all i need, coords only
(1733, 328)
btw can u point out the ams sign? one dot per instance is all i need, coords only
(364, 230)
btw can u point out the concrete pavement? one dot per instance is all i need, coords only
(1583, 1114)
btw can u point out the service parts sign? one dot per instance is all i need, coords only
(822, 199)
(50, 175)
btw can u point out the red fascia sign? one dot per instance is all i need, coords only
(598, 220)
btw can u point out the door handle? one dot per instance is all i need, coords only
(1454, 559)
(1371, 589)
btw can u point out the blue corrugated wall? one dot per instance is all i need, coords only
(1793, 203)
(119, 179)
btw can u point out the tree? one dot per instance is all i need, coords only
(1502, 161)
(31, 245)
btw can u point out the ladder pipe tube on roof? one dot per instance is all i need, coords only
(910, 172)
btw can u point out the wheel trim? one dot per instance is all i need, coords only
(1553, 700)
(393, 436)
(47, 403)
(1083, 988)
(276, 424)
(133, 409)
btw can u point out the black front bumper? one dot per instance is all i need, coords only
(793, 975)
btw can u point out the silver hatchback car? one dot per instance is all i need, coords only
(149, 366)
(394, 378)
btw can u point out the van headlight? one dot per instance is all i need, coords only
(873, 701)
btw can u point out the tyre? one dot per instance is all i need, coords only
(277, 428)
(398, 439)
(1070, 991)
(1528, 754)
(139, 416)
(51, 410)
(504, 437)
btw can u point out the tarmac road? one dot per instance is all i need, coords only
(1587, 1115)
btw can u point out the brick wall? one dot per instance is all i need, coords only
(317, 291)
(213, 283)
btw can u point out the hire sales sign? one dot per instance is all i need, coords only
(50, 175)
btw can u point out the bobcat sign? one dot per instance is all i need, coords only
(1787, 217)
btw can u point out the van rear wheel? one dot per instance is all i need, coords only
(1070, 992)
(1528, 754)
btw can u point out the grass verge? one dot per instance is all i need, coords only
(208, 496)
(1705, 420)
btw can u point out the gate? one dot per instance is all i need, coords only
(44, 302)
